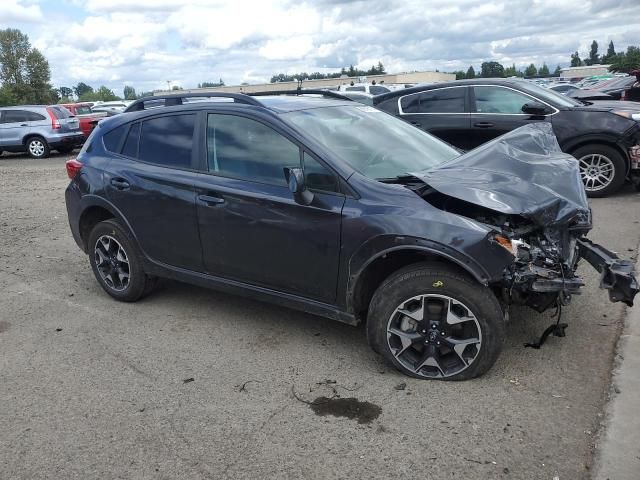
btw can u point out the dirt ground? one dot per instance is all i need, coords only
(190, 383)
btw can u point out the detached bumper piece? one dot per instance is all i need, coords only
(617, 275)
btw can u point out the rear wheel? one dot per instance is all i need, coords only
(117, 263)
(602, 168)
(432, 322)
(37, 147)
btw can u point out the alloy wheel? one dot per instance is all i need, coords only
(36, 148)
(597, 171)
(434, 336)
(112, 263)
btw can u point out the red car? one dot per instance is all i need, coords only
(87, 118)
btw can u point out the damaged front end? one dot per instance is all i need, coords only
(532, 197)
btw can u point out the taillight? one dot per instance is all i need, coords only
(73, 168)
(55, 124)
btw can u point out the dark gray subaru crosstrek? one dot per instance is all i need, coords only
(338, 209)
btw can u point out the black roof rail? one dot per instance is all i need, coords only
(303, 91)
(176, 99)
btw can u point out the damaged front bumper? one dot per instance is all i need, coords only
(617, 275)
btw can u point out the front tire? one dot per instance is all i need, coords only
(602, 168)
(431, 321)
(117, 262)
(37, 147)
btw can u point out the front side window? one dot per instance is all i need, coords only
(167, 140)
(239, 147)
(499, 100)
(442, 100)
(317, 176)
(355, 89)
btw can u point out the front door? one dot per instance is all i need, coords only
(252, 229)
(442, 112)
(497, 110)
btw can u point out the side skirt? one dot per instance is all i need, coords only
(251, 291)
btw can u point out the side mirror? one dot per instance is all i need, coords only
(296, 182)
(535, 108)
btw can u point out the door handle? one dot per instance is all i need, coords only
(24, 125)
(120, 183)
(211, 200)
(416, 124)
(483, 124)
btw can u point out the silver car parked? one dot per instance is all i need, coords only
(38, 129)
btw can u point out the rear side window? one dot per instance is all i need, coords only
(113, 140)
(83, 110)
(130, 148)
(239, 147)
(444, 100)
(14, 116)
(167, 140)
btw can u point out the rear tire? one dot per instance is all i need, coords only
(116, 262)
(431, 321)
(602, 168)
(37, 147)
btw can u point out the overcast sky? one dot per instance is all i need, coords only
(145, 43)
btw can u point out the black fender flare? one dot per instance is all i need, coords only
(380, 246)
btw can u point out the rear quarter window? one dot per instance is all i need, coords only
(113, 139)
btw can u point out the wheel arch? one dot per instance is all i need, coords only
(604, 141)
(371, 274)
(95, 210)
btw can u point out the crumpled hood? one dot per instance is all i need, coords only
(523, 172)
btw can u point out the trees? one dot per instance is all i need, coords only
(471, 73)
(491, 70)
(350, 72)
(530, 71)
(24, 71)
(544, 70)
(626, 62)
(81, 89)
(129, 93)
(512, 72)
(460, 75)
(611, 53)
(594, 58)
(217, 84)
(103, 94)
(557, 71)
(575, 60)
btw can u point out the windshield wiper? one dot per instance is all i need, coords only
(405, 177)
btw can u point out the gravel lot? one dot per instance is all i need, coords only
(93, 388)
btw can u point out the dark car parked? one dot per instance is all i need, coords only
(338, 209)
(603, 136)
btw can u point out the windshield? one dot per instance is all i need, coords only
(548, 95)
(373, 143)
(83, 110)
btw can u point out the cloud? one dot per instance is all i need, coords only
(149, 42)
(14, 11)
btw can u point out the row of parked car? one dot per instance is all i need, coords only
(602, 135)
(313, 201)
(38, 129)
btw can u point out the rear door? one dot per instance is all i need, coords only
(149, 178)
(497, 109)
(442, 112)
(251, 227)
